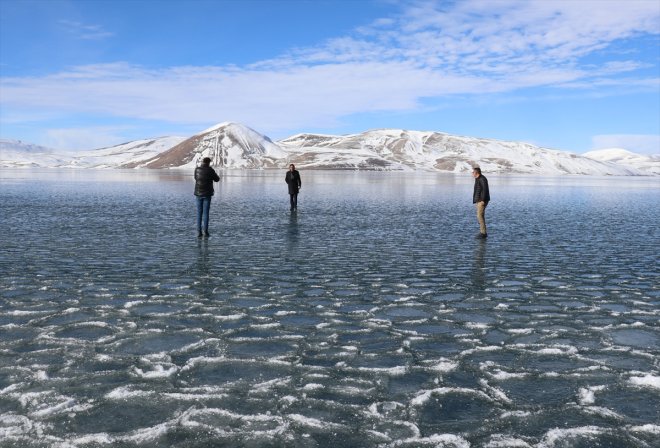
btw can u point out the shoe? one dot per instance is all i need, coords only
(199, 234)
(482, 236)
(207, 234)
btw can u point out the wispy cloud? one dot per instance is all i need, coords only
(83, 138)
(429, 51)
(85, 31)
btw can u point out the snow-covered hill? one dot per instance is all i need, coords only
(233, 145)
(390, 149)
(647, 164)
(14, 153)
(126, 154)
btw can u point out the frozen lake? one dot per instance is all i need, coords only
(371, 318)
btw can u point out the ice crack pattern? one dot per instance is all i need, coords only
(370, 318)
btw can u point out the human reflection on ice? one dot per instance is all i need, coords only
(200, 270)
(292, 232)
(479, 267)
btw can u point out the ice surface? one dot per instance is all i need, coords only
(370, 318)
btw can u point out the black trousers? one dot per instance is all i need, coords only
(294, 201)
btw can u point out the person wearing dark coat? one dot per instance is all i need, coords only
(480, 198)
(204, 178)
(292, 179)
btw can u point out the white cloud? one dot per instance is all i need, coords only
(642, 144)
(430, 50)
(299, 96)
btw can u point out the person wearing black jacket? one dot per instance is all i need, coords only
(204, 178)
(292, 179)
(480, 198)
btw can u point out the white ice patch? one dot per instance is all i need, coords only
(504, 441)
(391, 371)
(425, 396)
(495, 392)
(267, 386)
(229, 317)
(516, 414)
(650, 429)
(557, 437)
(487, 348)
(558, 350)
(204, 360)
(13, 426)
(156, 371)
(312, 422)
(91, 439)
(22, 313)
(443, 366)
(587, 396)
(264, 326)
(91, 323)
(436, 440)
(133, 303)
(126, 392)
(649, 380)
(476, 326)
(501, 375)
(47, 403)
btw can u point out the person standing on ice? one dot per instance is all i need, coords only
(480, 199)
(292, 179)
(204, 178)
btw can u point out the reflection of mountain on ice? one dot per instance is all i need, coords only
(232, 145)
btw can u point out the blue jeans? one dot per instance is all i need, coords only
(203, 208)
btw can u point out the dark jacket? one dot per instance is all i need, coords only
(292, 179)
(204, 177)
(481, 192)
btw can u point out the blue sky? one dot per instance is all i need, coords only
(572, 75)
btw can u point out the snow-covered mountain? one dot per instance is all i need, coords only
(125, 154)
(393, 149)
(229, 145)
(623, 157)
(14, 153)
(233, 145)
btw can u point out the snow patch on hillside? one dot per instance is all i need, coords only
(623, 157)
